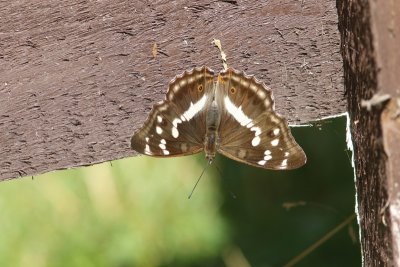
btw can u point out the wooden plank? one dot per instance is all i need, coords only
(370, 37)
(77, 77)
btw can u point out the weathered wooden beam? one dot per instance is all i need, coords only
(370, 37)
(77, 78)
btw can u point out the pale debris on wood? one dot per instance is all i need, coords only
(154, 50)
(290, 205)
(217, 43)
(376, 100)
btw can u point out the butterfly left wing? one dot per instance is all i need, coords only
(250, 130)
(175, 126)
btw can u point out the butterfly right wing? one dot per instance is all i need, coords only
(176, 126)
(251, 131)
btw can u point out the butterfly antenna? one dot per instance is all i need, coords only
(198, 180)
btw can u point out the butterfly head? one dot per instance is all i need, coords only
(210, 158)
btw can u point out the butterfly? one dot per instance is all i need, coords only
(234, 116)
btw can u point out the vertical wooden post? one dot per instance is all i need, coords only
(370, 38)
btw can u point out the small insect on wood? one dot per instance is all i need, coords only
(234, 116)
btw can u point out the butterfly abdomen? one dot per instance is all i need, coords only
(211, 140)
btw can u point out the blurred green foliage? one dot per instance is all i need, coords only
(278, 214)
(135, 212)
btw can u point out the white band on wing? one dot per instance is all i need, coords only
(188, 114)
(236, 112)
(195, 108)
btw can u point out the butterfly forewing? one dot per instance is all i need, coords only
(245, 92)
(176, 126)
(190, 94)
(250, 130)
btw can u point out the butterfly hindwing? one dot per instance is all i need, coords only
(155, 137)
(267, 144)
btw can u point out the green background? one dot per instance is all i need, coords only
(135, 212)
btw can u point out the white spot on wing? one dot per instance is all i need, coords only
(276, 131)
(257, 131)
(147, 150)
(286, 154)
(176, 121)
(284, 163)
(236, 112)
(275, 142)
(261, 162)
(162, 146)
(147, 139)
(162, 141)
(256, 141)
(175, 132)
(159, 130)
(159, 119)
(166, 152)
(267, 157)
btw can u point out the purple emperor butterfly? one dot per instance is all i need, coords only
(234, 116)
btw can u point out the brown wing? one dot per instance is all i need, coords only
(251, 131)
(176, 126)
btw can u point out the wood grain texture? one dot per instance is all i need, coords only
(390, 120)
(77, 77)
(367, 33)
